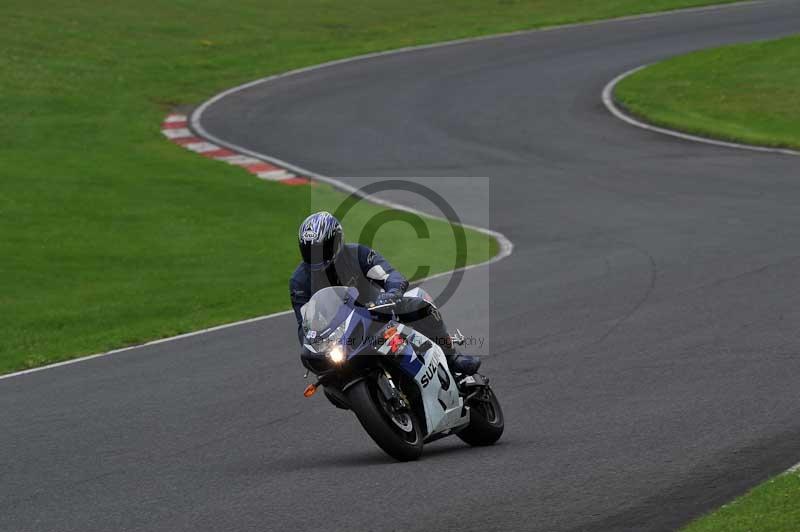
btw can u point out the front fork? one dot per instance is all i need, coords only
(394, 396)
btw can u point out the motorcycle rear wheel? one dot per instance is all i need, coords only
(398, 434)
(486, 420)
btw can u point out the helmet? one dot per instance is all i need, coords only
(321, 239)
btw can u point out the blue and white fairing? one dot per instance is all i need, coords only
(425, 362)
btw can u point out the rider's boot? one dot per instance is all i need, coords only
(464, 364)
(459, 362)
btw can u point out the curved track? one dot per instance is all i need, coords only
(645, 329)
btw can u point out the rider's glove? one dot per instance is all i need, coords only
(392, 296)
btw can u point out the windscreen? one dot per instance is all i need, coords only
(319, 313)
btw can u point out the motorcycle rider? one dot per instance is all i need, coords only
(328, 261)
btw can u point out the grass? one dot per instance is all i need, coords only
(745, 93)
(772, 507)
(110, 235)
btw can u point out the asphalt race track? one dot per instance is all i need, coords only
(644, 334)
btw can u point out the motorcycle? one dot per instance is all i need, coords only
(394, 378)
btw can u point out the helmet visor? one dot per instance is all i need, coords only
(320, 253)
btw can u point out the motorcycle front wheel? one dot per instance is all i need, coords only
(397, 432)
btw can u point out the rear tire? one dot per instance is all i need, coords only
(486, 421)
(400, 444)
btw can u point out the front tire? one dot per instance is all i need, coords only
(486, 420)
(400, 438)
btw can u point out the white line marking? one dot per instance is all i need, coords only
(175, 118)
(178, 133)
(506, 247)
(239, 160)
(201, 147)
(611, 105)
(794, 469)
(146, 344)
(275, 175)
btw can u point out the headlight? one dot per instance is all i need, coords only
(336, 354)
(331, 343)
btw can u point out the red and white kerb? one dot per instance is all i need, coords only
(175, 128)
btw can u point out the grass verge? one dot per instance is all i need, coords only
(110, 235)
(746, 93)
(771, 507)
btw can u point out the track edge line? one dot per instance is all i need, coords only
(610, 102)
